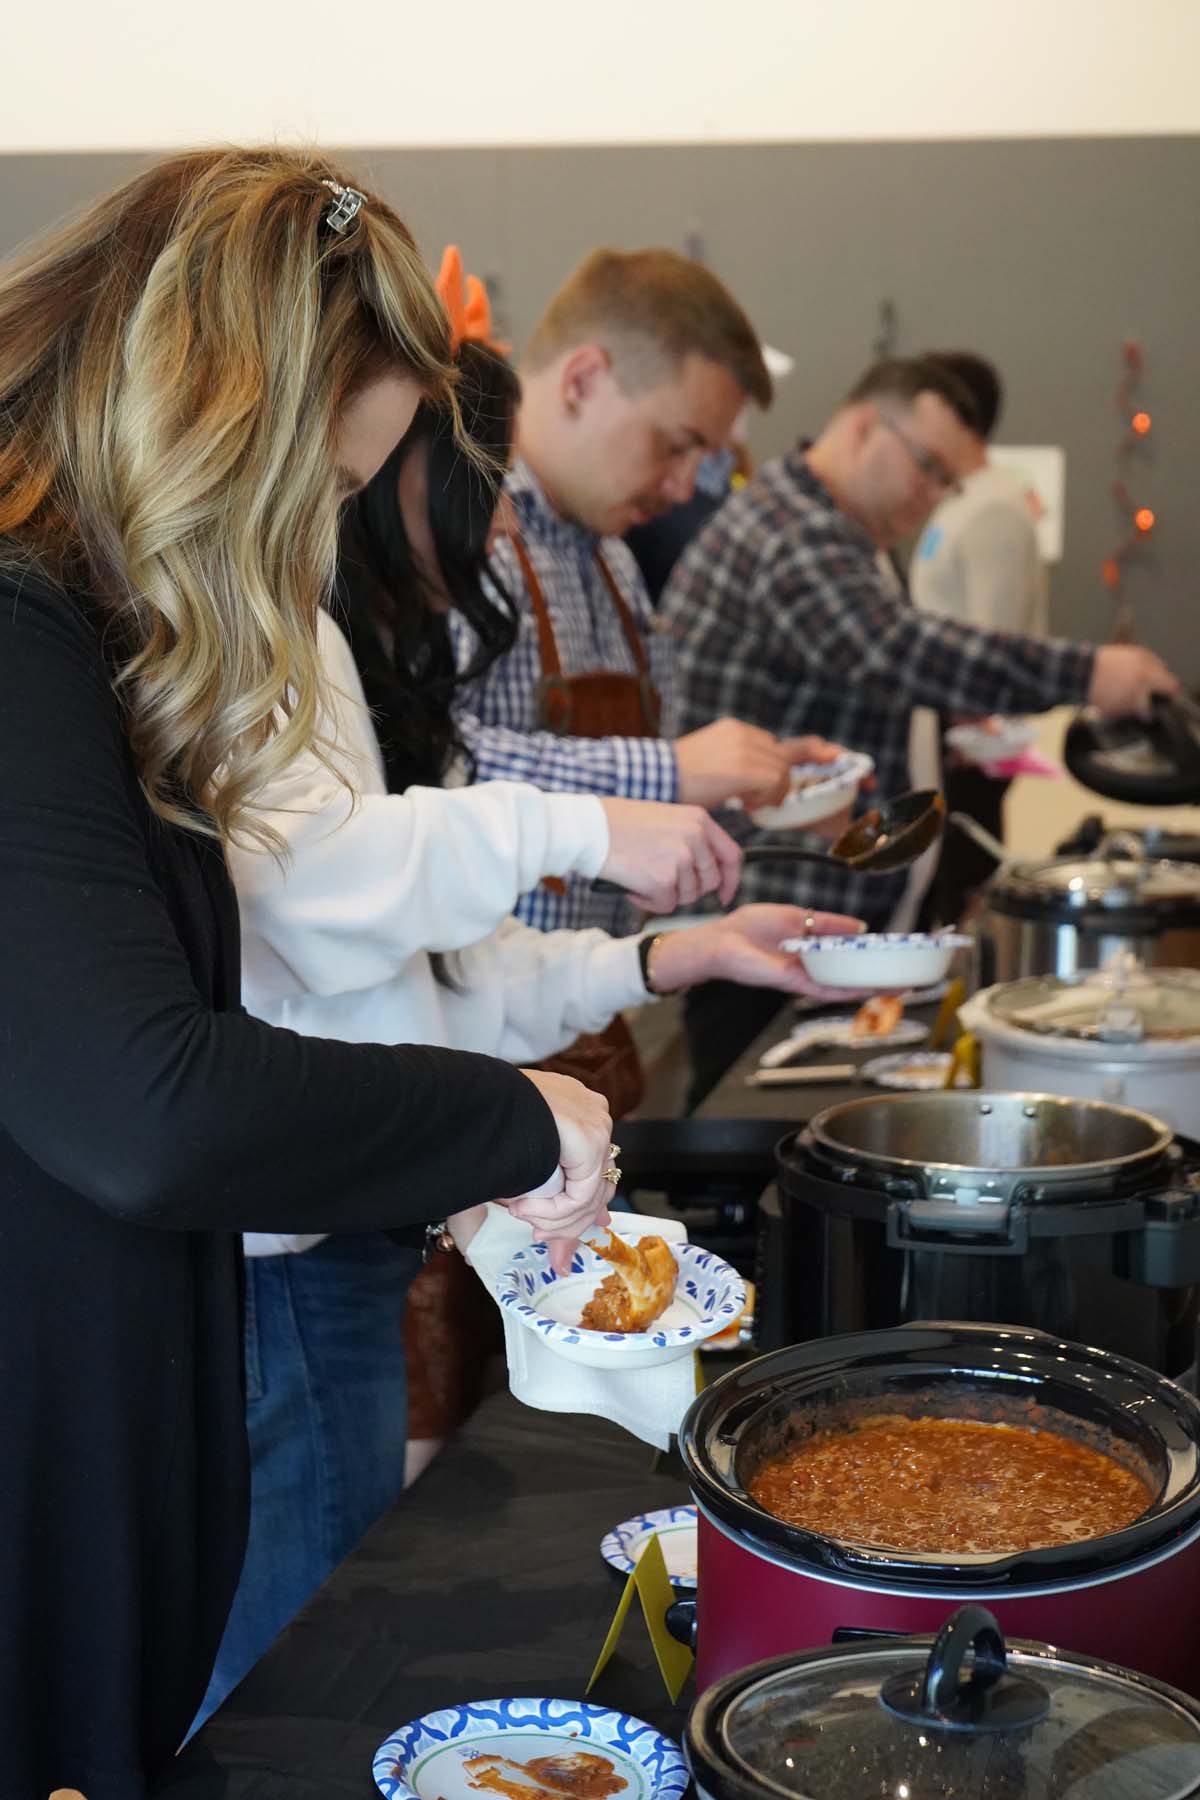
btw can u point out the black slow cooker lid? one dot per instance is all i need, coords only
(963, 1715)
(1146, 762)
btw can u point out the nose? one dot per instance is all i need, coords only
(679, 482)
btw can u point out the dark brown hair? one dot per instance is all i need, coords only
(976, 373)
(902, 378)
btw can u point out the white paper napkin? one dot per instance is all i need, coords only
(650, 1403)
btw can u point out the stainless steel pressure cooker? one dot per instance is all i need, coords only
(1066, 914)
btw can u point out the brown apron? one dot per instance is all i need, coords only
(599, 703)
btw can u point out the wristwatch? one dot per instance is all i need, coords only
(646, 948)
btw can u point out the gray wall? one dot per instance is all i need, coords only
(1043, 255)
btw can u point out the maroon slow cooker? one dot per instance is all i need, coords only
(765, 1587)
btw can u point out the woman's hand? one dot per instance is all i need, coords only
(558, 1215)
(744, 947)
(669, 856)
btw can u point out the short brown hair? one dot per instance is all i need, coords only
(902, 378)
(631, 301)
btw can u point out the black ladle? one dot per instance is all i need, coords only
(886, 837)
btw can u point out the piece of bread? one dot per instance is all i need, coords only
(878, 1016)
(640, 1288)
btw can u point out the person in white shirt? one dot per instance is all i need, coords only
(389, 920)
(978, 562)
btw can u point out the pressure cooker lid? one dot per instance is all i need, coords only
(1116, 883)
(1123, 1003)
(967, 1717)
(1148, 762)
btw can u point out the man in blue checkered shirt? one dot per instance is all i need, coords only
(637, 370)
(785, 612)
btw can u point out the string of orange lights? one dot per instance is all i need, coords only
(1142, 520)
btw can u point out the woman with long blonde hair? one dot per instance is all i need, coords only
(191, 375)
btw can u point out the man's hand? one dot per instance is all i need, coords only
(728, 760)
(1125, 679)
(744, 947)
(669, 856)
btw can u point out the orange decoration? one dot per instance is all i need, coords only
(467, 305)
(1141, 423)
(1110, 571)
(1143, 519)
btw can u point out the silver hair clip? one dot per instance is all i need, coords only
(346, 208)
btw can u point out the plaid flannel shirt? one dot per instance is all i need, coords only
(782, 617)
(496, 714)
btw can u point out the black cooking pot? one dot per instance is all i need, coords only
(1073, 1216)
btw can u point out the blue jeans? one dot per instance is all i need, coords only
(326, 1414)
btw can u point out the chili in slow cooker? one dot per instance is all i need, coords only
(949, 1485)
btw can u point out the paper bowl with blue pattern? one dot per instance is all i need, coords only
(709, 1296)
(818, 791)
(877, 960)
(540, 1743)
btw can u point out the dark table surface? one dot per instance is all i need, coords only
(732, 1098)
(484, 1580)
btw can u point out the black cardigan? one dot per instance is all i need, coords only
(144, 1122)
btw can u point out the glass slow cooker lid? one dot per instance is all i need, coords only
(966, 1719)
(1122, 1003)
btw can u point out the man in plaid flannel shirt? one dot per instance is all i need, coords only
(785, 612)
(637, 370)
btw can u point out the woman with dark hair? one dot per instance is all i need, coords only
(432, 551)
(391, 917)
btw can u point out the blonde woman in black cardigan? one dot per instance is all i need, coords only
(191, 375)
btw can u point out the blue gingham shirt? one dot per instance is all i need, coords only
(497, 713)
(782, 616)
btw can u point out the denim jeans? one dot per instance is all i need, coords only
(326, 1415)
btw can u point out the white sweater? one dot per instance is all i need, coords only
(335, 942)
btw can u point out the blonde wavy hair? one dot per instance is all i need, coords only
(173, 365)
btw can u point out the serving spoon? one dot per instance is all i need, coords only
(886, 837)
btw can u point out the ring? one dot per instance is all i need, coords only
(613, 1174)
(810, 920)
(614, 1151)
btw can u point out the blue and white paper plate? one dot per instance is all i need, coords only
(433, 1757)
(676, 1529)
(709, 1295)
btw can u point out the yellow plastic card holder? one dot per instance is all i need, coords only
(652, 1585)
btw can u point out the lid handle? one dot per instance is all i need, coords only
(1125, 846)
(988, 1699)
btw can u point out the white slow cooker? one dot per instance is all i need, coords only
(1124, 1034)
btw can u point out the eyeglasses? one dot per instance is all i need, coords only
(928, 461)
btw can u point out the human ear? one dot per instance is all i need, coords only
(581, 374)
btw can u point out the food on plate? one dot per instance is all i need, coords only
(950, 1486)
(640, 1288)
(572, 1775)
(877, 1017)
